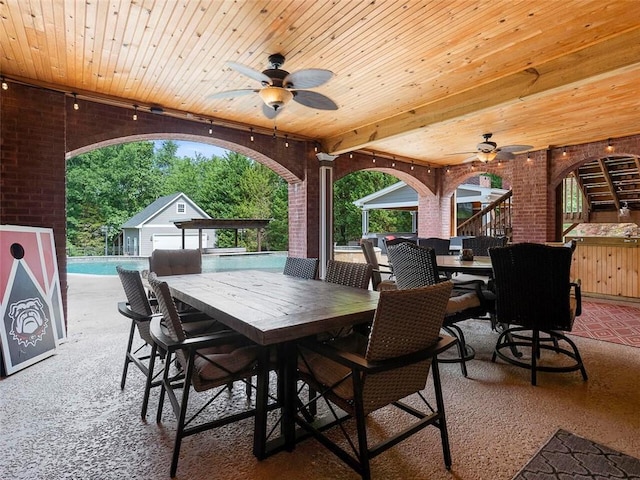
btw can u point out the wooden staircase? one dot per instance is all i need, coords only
(494, 220)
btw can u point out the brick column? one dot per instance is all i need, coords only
(533, 205)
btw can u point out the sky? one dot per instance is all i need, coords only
(189, 149)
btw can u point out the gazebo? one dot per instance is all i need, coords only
(223, 223)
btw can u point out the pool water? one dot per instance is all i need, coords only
(210, 263)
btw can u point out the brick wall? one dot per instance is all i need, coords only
(32, 164)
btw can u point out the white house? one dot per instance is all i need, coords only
(154, 227)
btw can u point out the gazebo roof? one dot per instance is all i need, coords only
(219, 223)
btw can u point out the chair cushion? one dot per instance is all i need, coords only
(202, 327)
(387, 285)
(216, 362)
(327, 371)
(462, 302)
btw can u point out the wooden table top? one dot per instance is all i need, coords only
(452, 263)
(271, 308)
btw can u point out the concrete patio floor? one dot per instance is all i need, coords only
(66, 417)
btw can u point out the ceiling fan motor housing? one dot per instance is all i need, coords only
(276, 75)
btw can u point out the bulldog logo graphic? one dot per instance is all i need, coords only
(28, 321)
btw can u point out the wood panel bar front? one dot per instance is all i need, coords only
(608, 267)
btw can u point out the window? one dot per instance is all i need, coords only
(181, 207)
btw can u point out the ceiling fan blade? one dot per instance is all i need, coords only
(461, 153)
(308, 78)
(515, 148)
(232, 93)
(314, 100)
(250, 72)
(504, 155)
(270, 112)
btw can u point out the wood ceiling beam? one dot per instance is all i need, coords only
(607, 58)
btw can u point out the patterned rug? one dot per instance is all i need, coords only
(610, 322)
(567, 456)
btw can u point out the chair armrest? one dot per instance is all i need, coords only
(357, 362)
(124, 309)
(193, 343)
(577, 292)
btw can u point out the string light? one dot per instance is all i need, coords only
(5, 85)
(609, 146)
(251, 133)
(428, 168)
(374, 157)
(528, 157)
(393, 162)
(286, 141)
(448, 170)
(412, 165)
(210, 127)
(564, 152)
(351, 155)
(135, 112)
(75, 102)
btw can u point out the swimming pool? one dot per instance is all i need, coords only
(210, 263)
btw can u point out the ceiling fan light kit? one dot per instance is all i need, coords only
(486, 156)
(275, 97)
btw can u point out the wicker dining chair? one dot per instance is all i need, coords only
(350, 274)
(206, 362)
(176, 262)
(301, 267)
(533, 296)
(440, 245)
(415, 267)
(140, 309)
(361, 374)
(377, 269)
(481, 244)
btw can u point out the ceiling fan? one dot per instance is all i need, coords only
(279, 86)
(488, 150)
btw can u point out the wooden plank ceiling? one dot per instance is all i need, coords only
(418, 80)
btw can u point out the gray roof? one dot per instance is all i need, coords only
(156, 206)
(400, 195)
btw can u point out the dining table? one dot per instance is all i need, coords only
(274, 310)
(480, 265)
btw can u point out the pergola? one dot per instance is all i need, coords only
(223, 223)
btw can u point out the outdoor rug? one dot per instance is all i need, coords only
(609, 322)
(569, 457)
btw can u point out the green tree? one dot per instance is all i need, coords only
(105, 187)
(348, 218)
